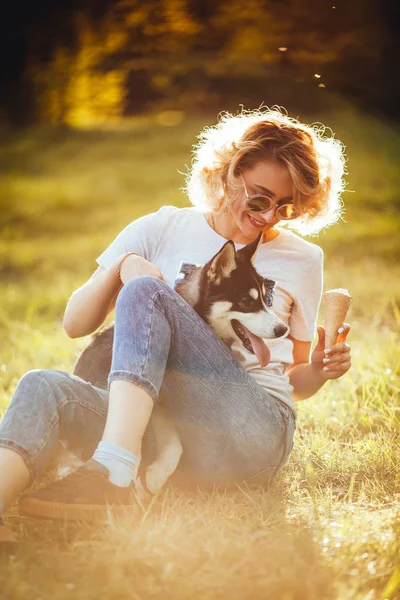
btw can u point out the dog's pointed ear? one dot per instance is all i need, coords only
(248, 252)
(222, 264)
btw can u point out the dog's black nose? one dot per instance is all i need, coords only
(280, 330)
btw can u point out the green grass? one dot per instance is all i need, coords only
(329, 527)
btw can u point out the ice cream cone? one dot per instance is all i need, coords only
(336, 304)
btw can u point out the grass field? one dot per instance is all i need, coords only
(329, 528)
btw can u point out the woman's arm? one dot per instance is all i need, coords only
(90, 304)
(308, 377)
(303, 375)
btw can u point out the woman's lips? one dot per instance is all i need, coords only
(255, 223)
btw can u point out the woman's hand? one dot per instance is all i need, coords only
(134, 265)
(337, 362)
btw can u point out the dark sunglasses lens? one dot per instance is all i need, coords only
(286, 212)
(259, 203)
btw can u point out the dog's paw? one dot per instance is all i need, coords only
(62, 472)
(156, 476)
(66, 463)
(143, 497)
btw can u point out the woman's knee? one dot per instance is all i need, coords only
(40, 386)
(138, 288)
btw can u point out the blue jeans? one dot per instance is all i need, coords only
(231, 429)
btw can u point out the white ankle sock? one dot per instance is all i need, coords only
(120, 462)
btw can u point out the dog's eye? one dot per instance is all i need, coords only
(247, 302)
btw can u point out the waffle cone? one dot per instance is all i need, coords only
(336, 304)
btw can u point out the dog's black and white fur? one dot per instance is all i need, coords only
(235, 300)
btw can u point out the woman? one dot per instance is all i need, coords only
(256, 171)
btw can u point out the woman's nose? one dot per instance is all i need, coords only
(268, 216)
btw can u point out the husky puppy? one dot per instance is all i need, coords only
(235, 300)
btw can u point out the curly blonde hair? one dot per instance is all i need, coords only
(315, 162)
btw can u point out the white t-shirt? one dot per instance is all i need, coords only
(172, 235)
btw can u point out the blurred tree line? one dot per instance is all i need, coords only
(105, 60)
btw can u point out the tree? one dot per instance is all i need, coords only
(133, 54)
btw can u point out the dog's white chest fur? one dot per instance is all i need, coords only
(220, 316)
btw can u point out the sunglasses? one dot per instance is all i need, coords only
(260, 203)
